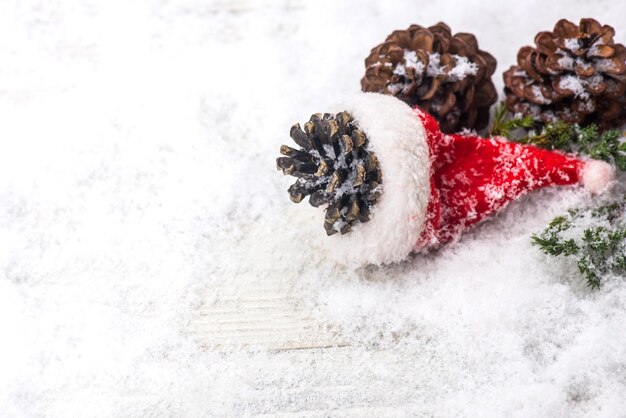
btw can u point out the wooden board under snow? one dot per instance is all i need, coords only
(266, 317)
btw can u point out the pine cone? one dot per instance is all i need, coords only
(575, 74)
(334, 167)
(447, 76)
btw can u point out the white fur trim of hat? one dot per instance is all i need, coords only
(398, 139)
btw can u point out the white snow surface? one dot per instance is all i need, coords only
(137, 182)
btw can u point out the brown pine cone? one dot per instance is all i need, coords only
(576, 73)
(335, 168)
(447, 76)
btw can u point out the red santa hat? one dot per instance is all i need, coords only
(436, 185)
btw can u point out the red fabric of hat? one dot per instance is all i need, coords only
(473, 177)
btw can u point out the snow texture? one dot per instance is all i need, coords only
(574, 84)
(566, 62)
(572, 44)
(462, 68)
(137, 181)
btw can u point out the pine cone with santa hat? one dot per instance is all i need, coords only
(430, 186)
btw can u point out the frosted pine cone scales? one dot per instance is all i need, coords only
(576, 73)
(334, 168)
(446, 75)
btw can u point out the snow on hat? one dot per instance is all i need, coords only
(433, 185)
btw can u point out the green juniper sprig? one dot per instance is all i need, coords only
(562, 136)
(595, 238)
(503, 125)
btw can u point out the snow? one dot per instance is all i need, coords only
(538, 95)
(572, 44)
(137, 182)
(462, 68)
(574, 84)
(567, 62)
(603, 65)
(411, 61)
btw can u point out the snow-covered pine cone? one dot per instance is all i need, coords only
(576, 73)
(334, 168)
(445, 75)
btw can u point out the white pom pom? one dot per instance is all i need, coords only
(597, 175)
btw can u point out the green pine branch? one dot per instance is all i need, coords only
(562, 136)
(595, 238)
(503, 125)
